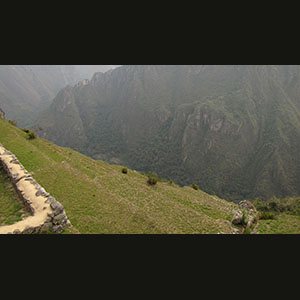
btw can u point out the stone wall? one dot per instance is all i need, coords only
(46, 213)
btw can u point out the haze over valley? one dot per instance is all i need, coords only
(28, 89)
(225, 132)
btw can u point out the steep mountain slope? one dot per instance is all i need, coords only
(233, 130)
(98, 198)
(87, 71)
(26, 90)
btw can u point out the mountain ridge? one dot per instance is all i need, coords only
(26, 90)
(232, 130)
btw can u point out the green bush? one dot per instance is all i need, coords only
(245, 219)
(290, 205)
(31, 135)
(195, 186)
(25, 130)
(247, 231)
(124, 171)
(152, 179)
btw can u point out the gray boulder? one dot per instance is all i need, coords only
(245, 204)
(237, 218)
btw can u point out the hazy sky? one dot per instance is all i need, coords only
(88, 71)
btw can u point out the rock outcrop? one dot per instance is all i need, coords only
(246, 216)
(237, 218)
(46, 213)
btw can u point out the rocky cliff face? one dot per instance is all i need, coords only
(233, 130)
(65, 121)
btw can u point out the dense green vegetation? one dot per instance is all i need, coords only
(232, 130)
(289, 205)
(278, 215)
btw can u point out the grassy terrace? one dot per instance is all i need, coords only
(11, 207)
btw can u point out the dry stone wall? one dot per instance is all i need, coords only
(46, 213)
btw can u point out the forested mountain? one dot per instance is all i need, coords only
(27, 89)
(232, 130)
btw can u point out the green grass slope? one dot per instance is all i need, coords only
(11, 207)
(99, 198)
(282, 224)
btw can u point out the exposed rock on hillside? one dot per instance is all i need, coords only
(246, 216)
(46, 212)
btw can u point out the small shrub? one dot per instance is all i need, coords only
(14, 123)
(25, 130)
(124, 171)
(245, 219)
(195, 187)
(152, 179)
(31, 135)
(247, 231)
(171, 181)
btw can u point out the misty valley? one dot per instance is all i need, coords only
(152, 148)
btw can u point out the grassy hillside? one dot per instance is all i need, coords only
(11, 207)
(99, 198)
(282, 224)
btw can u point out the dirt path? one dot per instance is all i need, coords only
(28, 189)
